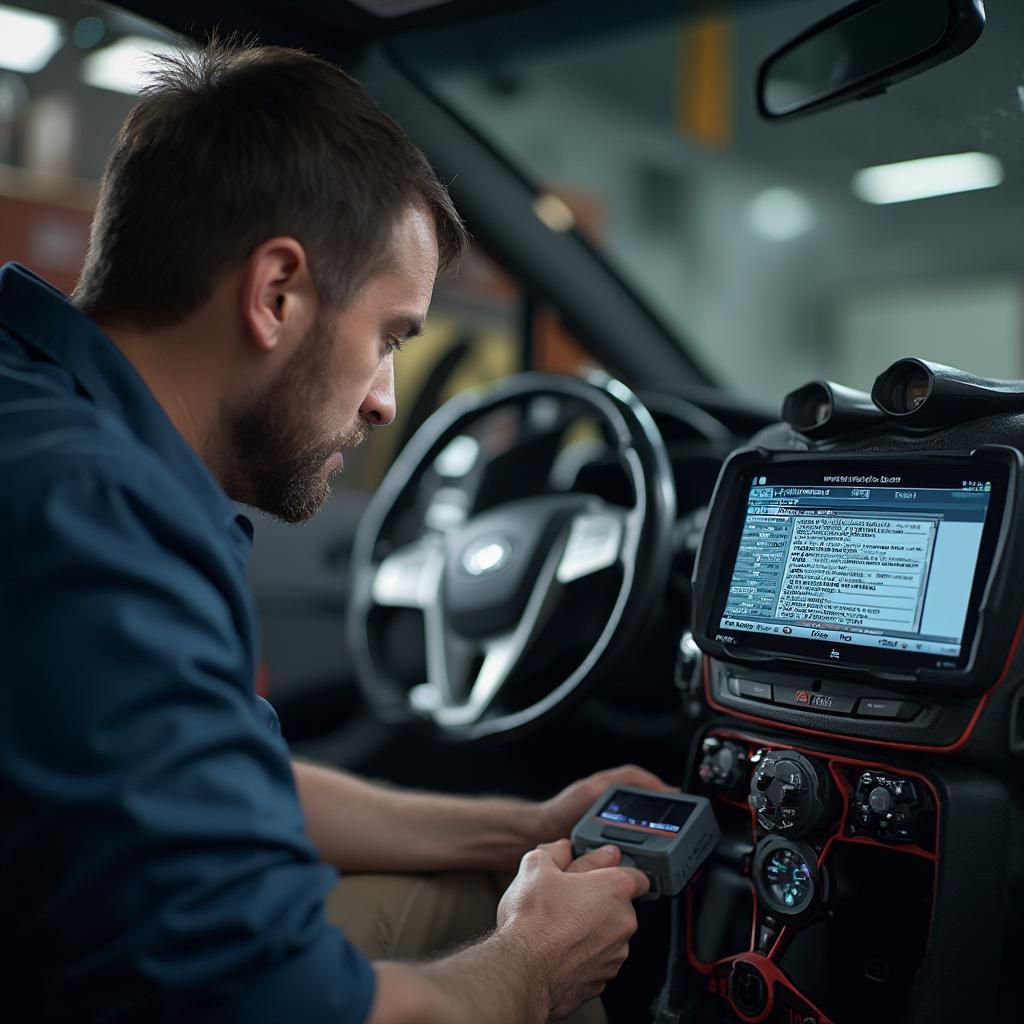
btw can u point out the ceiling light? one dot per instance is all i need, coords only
(932, 176)
(27, 40)
(554, 212)
(125, 65)
(780, 214)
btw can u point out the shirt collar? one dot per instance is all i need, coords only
(42, 317)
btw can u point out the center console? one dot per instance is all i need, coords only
(859, 615)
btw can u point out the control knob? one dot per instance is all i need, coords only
(881, 801)
(887, 807)
(789, 793)
(723, 764)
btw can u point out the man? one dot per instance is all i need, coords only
(265, 238)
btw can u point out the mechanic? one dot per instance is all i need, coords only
(264, 239)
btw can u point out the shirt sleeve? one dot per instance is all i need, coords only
(153, 855)
(270, 719)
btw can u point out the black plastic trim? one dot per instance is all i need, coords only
(958, 980)
(936, 725)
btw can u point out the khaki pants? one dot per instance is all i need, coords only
(405, 917)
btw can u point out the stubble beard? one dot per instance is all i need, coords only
(282, 472)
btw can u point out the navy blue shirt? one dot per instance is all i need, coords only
(153, 859)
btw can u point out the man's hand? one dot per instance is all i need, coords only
(561, 812)
(573, 919)
(563, 930)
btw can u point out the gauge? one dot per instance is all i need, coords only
(786, 875)
(788, 879)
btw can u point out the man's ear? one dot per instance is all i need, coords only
(277, 297)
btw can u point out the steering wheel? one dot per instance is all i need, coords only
(500, 588)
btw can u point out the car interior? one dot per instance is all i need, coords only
(709, 458)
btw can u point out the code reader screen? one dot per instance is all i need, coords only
(643, 810)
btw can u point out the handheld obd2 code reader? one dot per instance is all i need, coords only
(667, 836)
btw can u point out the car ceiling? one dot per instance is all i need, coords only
(342, 22)
(346, 23)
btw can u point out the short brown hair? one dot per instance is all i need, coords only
(235, 144)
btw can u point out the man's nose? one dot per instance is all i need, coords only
(378, 406)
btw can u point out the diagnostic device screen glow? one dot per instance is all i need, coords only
(644, 811)
(859, 567)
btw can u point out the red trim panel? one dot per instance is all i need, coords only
(783, 996)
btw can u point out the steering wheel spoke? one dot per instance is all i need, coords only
(450, 696)
(595, 543)
(450, 666)
(410, 577)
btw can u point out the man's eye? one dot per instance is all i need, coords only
(392, 343)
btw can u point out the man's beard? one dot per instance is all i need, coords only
(279, 469)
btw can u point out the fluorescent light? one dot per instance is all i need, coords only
(124, 65)
(922, 179)
(780, 214)
(27, 40)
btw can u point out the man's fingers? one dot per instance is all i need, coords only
(641, 883)
(602, 857)
(609, 857)
(559, 851)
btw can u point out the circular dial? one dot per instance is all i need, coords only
(786, 876)
(788, 793)
(788, 880)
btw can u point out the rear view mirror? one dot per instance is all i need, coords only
(863, 49)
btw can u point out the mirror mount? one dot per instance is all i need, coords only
(861, 50)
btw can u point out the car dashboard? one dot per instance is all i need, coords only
(858, 613)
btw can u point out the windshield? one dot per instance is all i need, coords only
(757, 242)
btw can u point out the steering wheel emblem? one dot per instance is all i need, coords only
(487, 556)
